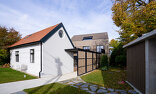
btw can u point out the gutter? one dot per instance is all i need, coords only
(144, 37)
(41, 62)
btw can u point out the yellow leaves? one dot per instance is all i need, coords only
(133, 18)
(114, 43)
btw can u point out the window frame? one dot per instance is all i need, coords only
(100, 50)
(75, 61)
(17, 56)
(32, 56)
(60, 33)
(88, 38)
(84, 47)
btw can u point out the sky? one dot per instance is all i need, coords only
(78, 16)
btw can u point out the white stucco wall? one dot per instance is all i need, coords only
(24, 59)
(56, 60)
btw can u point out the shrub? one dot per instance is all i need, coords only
(118, 56)
(4, 56)
(7, 65)
(104, 61)
(104, 68)
(120, 60)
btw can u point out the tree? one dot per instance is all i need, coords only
(113, 44)
(7, 38)
(134, 17)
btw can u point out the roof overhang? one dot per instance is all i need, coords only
(75, 50)
(27, 44)
(144, 37)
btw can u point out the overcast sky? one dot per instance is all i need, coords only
(78, 16)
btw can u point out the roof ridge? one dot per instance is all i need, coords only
(90, 34)
(41, 30)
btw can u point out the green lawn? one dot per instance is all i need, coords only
(108, 79)
(10, 75)
(55, 88)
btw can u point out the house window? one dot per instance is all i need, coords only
(100, 49)
(86, 47)
(17, 56)
(88, 38)
(31, 55)
(60, 33)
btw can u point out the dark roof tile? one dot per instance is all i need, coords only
(95, 36)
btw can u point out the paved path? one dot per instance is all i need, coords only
(94, 89)
(13, 87)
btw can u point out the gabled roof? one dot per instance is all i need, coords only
(34, 37)
(94, 36)
(144, 37)
(39, 36)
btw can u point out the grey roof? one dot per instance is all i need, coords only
(145, 36)
(95, 36)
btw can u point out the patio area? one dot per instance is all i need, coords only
(95, 89)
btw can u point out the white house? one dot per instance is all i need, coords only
(43, 53)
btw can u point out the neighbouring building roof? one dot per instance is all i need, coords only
(94, 36)
(145, 36)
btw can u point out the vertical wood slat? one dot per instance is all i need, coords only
(136, 66)
(96, 60)
(85, 61)
(92, 60)
(99, 62)
(77, 64)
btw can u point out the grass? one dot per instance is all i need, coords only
(10, 75)
(55, 88)
(108, 79)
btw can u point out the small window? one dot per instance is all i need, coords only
(17, 56)
(61, 33)
(31, 55)
(88, 38)
(27, 36)
(100, 49)
(86, 47)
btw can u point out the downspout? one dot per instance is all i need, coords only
(41, 62)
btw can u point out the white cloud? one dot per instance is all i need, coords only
(36, 17)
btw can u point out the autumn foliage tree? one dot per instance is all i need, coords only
(7, 38)
(113, 44)
(134, 17)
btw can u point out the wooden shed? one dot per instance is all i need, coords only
(141, 63)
